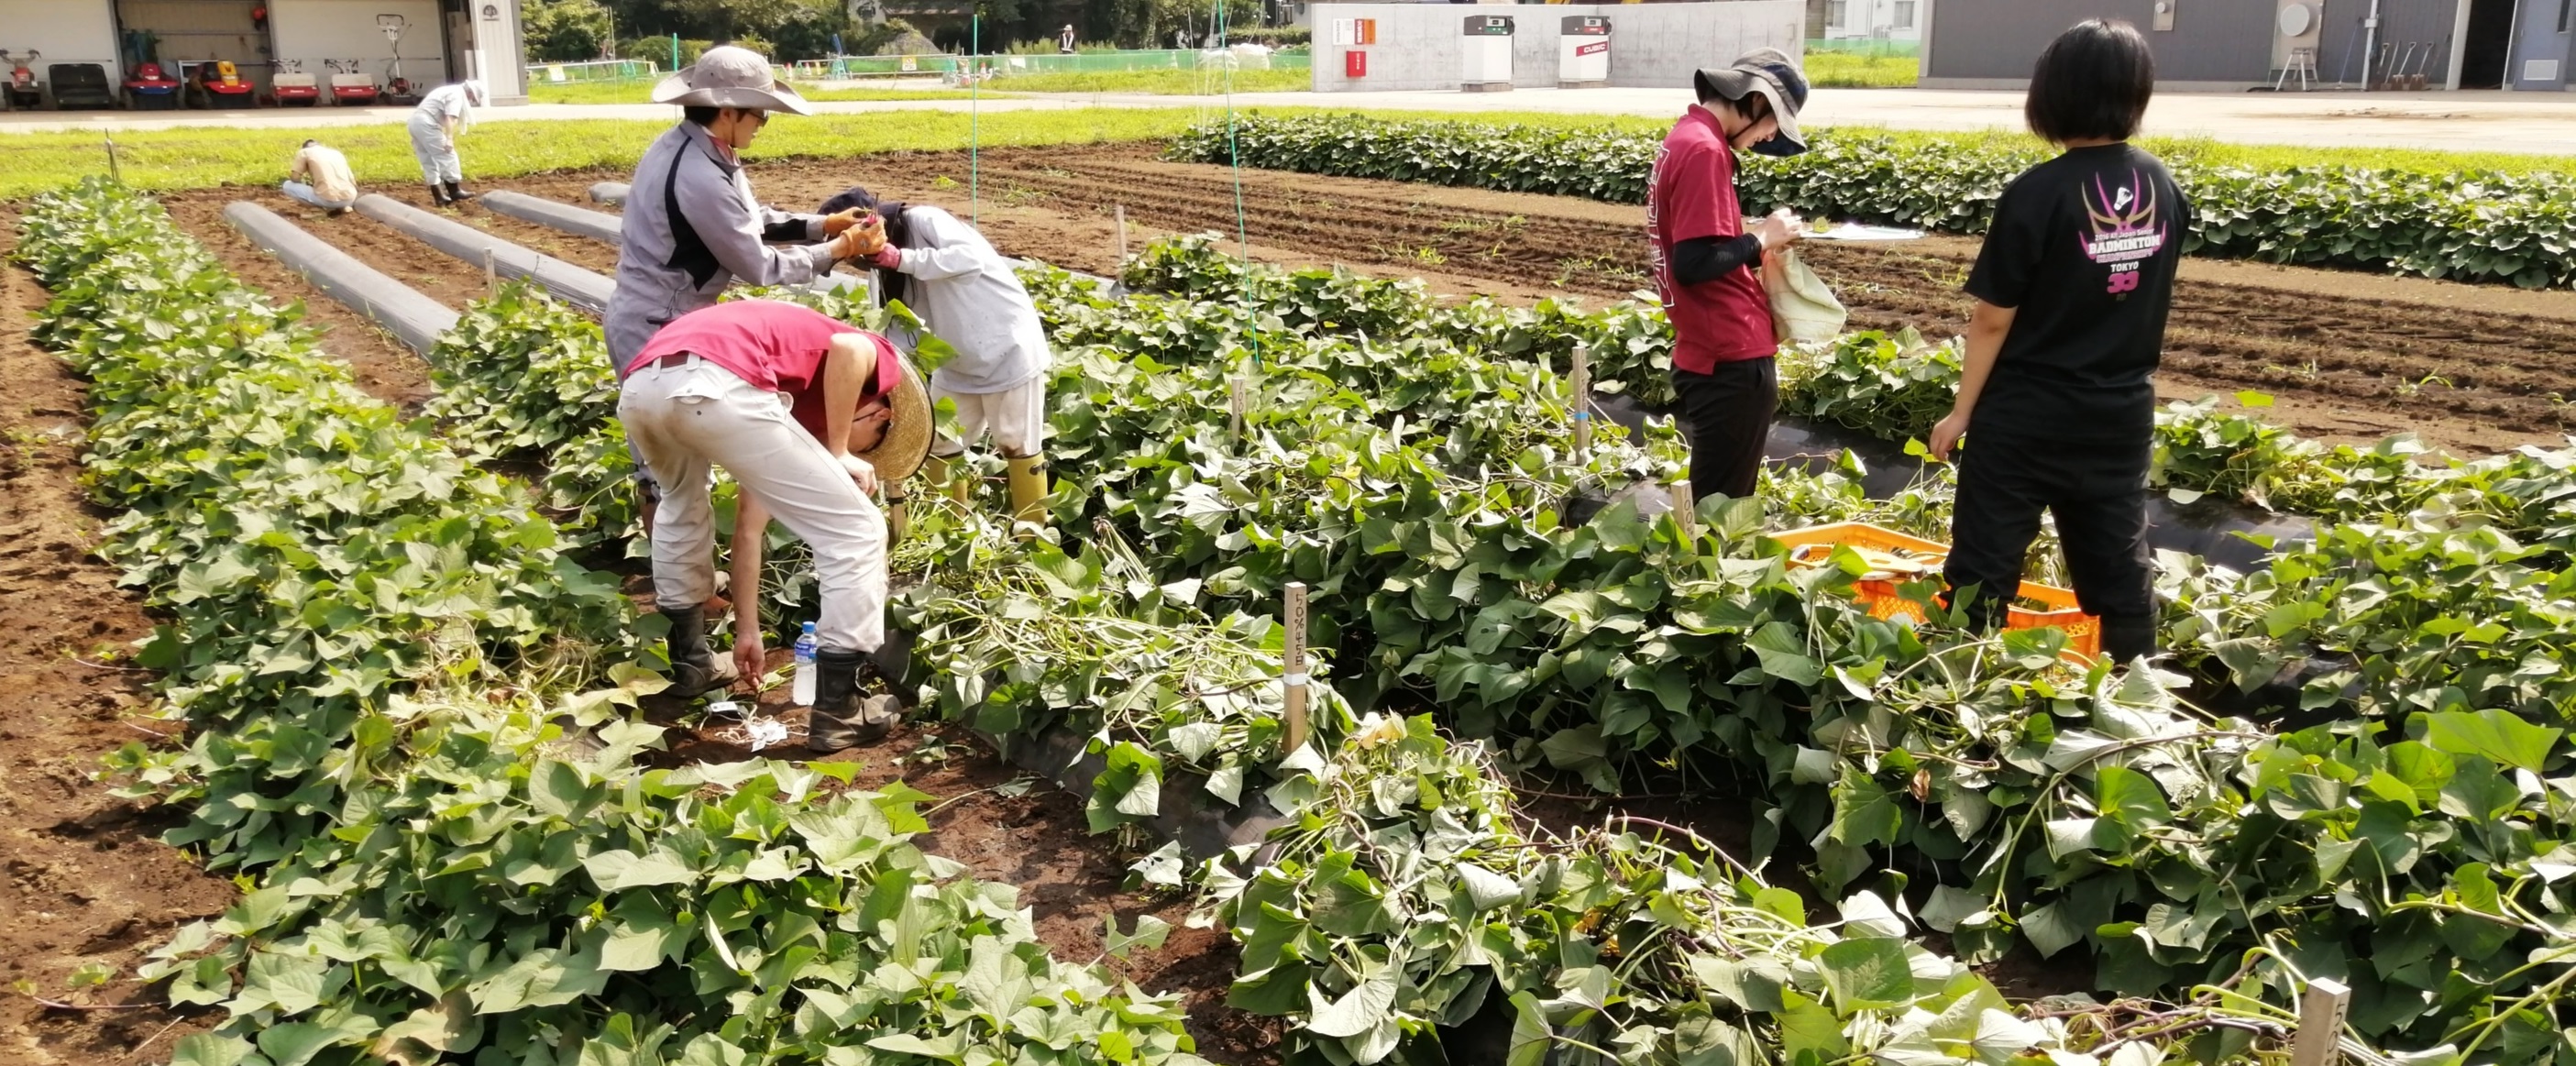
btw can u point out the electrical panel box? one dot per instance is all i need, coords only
(1583, 52)
(1486, 59)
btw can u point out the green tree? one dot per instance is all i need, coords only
(566, 30)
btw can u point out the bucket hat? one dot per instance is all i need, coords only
(1773, 74)
(727, 76)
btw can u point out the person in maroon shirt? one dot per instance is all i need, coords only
(770, 392)
(1704, 260)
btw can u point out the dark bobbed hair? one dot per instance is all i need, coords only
(2093, 81)
(704, 116)
(1750, 105)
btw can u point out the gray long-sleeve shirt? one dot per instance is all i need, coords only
(691, 228)
(968, 295)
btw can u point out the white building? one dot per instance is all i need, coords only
(1884, 20)
(442, 40)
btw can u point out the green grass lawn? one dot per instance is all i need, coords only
(639, 92)
(1157, 82)
(1840, 70)
(198, 157)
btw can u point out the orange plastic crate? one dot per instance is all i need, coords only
(1879, 591)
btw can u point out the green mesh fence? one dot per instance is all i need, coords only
(599, 70)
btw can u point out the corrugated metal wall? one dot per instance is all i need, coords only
(1997, 40)
(2218, 41)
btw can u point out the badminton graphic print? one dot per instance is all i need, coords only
(2125, 230)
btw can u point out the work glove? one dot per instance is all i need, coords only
(834, 224)
(889, 257)
(860, 241)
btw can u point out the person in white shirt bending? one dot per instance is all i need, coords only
(435, 124)
(320, 176)
(967, 294)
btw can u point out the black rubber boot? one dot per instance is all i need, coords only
(695, 669)
(456, 193)
(2126, 640)
(438, 195)
(841, 718)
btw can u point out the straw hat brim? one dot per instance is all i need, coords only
(899, 454)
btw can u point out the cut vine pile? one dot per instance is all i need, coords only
(415, 736)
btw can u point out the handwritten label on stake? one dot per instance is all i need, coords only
(1235, 401)
(1293, 668)
(491, 275)
(1122, 236)
(2321, 1013)
(1684, 509)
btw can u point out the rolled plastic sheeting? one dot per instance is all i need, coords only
(578, 221)
(581, 288)
(413, 318)
(612, 193)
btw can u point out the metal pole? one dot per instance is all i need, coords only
(1292, 671)
(2321, 1013)
(1582, 400)
(2370, 44)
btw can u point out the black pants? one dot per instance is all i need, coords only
(2098, 493)
(1727, 413)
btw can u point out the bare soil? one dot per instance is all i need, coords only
(1012, 827)
(84, 878)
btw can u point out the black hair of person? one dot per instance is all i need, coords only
(1752, 107)
(702, 115)
(2092, 82)
(898, 230)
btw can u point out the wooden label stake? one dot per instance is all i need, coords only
(2321, 1012)
(1293, 668)
(1122, 237)
(1582, 401)
(1236, 402)
(491, 275)
(1685, 509)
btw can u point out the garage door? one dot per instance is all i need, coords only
(201, 29)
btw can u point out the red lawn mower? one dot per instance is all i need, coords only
(349, 85)
(24, 92)
(217, 83)
(151, 89)
(294, 87)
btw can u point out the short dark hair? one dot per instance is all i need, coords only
(702, 115)
(310, 142)
(2093, 81)
(1750, 105)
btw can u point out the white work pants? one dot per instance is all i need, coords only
(437, 155)
(686, 418)
(1015, 418)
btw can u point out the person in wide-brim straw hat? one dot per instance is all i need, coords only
(782, 397)
(692, 226)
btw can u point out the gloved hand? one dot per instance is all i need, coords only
(889, 257)
(860, 241)
(834, 224)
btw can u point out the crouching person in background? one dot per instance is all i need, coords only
(967, 294)
(770, 391)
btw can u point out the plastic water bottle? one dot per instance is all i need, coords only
(808, 675)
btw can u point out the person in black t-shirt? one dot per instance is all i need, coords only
(2072, 288)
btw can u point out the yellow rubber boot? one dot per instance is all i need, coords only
(1028, 489)
(952, 475)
